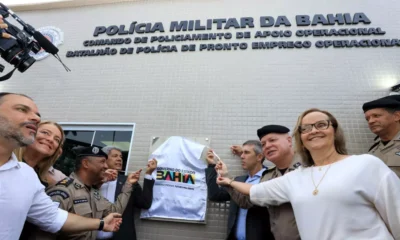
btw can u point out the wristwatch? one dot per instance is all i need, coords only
(101, 226)
(231, 181)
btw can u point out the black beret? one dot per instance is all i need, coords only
(391, 102)
(394, 97)
(271, 129)
(89, 151)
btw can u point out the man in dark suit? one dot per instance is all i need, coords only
(243, 224)
(140, 198)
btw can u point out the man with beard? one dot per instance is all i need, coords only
(22, 196)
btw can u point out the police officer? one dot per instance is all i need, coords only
(383, 117)
(277, 148)
(76, 194)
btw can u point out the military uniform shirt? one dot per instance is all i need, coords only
(55, 174)
(389, 153)
(72, 195)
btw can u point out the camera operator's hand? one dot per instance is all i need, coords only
(3, 26)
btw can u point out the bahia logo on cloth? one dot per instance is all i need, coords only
(176, 175)
(54, 35)
(180, 178)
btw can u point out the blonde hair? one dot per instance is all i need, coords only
(339, 140)
(44, 165)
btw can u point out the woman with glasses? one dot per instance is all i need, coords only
(334, 195)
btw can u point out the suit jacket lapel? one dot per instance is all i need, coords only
(120, 183)
(242, 178)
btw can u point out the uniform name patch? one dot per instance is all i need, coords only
(77, 201)
(63, 194)
(398, 153)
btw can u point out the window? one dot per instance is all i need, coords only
(94, 134)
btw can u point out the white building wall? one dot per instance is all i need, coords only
(224, 95)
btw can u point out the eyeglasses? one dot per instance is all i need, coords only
(320, 125)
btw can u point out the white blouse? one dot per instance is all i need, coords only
(359, 198)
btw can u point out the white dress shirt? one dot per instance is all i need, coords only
(357, 199)
(22, 197)
(108, 191)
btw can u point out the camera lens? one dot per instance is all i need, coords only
(26, 63)
(17, 57)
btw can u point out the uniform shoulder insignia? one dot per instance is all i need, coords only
(296, 165)
(96, 194)
(58, 192)
(65, 182)
(373, 146)
(271, 168)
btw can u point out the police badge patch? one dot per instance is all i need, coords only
(95, 150)
(96, 194)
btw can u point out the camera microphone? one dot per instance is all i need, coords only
(42, 40)
(47, 46)
(45, 43)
